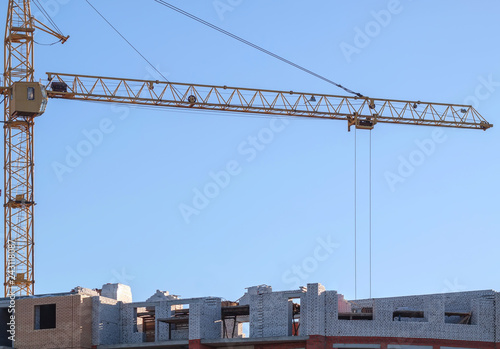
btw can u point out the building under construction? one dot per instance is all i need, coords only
(307, 318)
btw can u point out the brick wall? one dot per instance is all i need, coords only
(105, 321)
(115, 322)
(204, 319)
(73, 323)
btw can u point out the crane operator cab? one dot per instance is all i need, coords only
(28, 99)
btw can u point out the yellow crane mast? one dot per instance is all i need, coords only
(18, 153)
(25, 99)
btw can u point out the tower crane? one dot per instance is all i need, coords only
(25, 99)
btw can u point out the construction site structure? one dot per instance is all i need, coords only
(25, 99)
(306, 318)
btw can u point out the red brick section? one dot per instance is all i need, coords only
(196, 344)
(321, 342)
(317, 342)
(293, 345)
(384, 341)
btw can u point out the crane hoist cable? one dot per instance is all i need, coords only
(246, 42)
(370, 210)
(355, 217)
(369, 214)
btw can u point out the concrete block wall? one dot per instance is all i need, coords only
(433, 325)
(461, 301)
(85, 291)
(131, 328)
(205, 319)
(343, 305)
(483, 310)
(119, 292)
(180, 335)
(270, 312)
(315, 313)
(161, 296)
(107, 314)
(106, 324)
(230, 325)
(358, 304)
(497, 317)
(303, 310)
(332, 311)
(163, 311)
(85, 319)
(256, 316)
(319, 315)
(382, 310)
(276, 315)
(434, 309)
(254, 297)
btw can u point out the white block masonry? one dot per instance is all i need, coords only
(105, 321)
(205, 319)
(120, 292)
(116, 322)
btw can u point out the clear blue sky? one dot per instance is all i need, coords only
(116, 217)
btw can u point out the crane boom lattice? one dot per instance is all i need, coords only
(357, 111)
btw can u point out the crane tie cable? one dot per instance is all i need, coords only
(225, 32)
(46, 14)
(128, 42)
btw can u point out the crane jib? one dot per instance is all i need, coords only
(361, 112)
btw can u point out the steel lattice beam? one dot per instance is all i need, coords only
(18, 156)
(360, 111)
